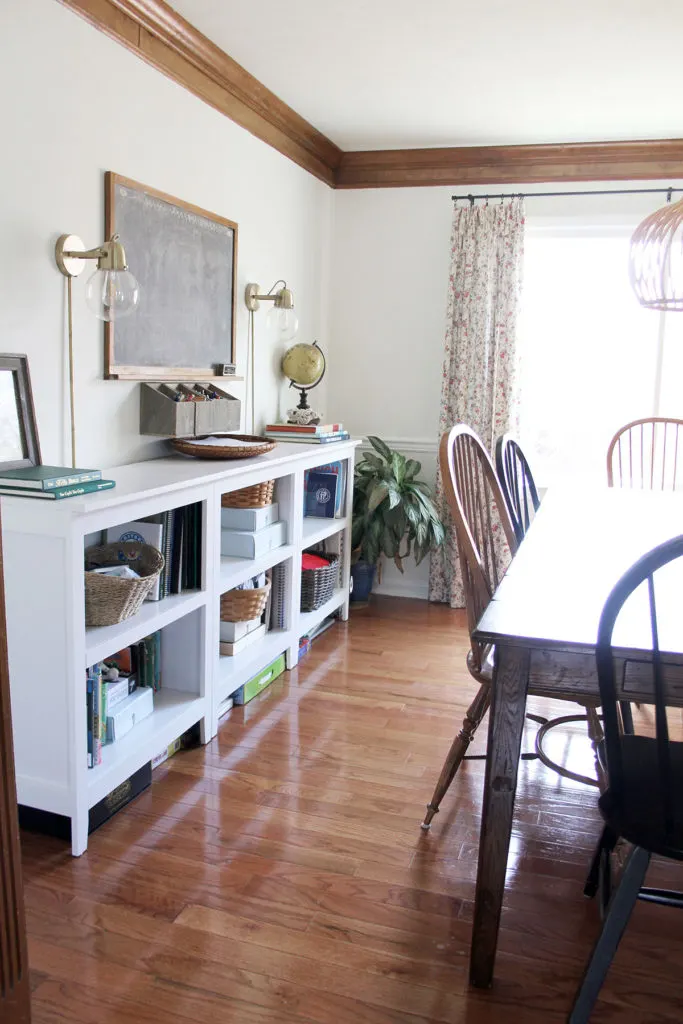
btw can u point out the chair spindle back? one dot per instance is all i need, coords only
(517, 484)
(642, 572)
(644, 454)
(485, 536)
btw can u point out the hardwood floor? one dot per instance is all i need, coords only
(280, 875)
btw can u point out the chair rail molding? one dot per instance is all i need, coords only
(406, 445)
(159, 35)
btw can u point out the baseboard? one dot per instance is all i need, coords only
(407, 588)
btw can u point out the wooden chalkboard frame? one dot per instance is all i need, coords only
(115, 371)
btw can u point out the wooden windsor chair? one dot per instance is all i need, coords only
(643, 801)
(486, 542)
(644, 454)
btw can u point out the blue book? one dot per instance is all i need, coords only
(321, 494)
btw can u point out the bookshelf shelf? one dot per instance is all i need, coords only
(233, 671)
(50, 647)
(309, 620)
(101, 641)
(174, 712)
(234, 571)
(316, 530)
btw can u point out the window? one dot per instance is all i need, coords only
(591, 358)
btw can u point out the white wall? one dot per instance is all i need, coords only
(75, 104)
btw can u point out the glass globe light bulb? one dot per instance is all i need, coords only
(112, 294)
(283, 321)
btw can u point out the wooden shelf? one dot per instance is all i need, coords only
(101, 641)
(309, 620)
(237, 669)
(234, 571)
(174, 712)
(316, 530)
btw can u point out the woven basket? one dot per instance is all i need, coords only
(110, 599)
(256, 496)
(317, 585)
(186, 446)
(243, 605)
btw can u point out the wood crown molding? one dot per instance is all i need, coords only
(158, 34)
(489, 165)
(155, 32)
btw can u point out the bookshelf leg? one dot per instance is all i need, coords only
(344, 611)
(79, 834)
(207, 730)
(291, 657)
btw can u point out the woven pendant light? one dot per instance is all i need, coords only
(656, 259)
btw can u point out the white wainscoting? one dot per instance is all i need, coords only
(414, 580)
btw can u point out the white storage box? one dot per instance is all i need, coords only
(129, 712)
(232, 631)
(248, 544)
(249, 518)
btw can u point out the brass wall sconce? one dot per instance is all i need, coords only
(281, 317)
(111, 292)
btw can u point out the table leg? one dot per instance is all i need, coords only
(506, 725)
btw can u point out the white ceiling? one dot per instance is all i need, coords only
(387, 74)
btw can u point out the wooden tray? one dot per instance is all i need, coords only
(187, 446)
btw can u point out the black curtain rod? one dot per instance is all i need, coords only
(584, 192)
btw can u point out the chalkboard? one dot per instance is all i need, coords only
(185, 260)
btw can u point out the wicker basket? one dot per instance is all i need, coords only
(317, 585)
(243, 605)
(110, 599)
(256, 496)
(258, 446)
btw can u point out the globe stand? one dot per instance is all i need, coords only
(303, 415)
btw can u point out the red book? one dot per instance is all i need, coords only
(311, 428)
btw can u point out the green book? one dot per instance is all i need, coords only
(46, 478)
(61, 492)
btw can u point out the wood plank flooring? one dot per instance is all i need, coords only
(279, 875)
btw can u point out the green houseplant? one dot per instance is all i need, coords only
(393, 514)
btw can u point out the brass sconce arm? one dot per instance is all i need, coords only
(282, 298)
(71, 254)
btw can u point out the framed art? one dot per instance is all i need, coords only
(185, 260)
(19, 445)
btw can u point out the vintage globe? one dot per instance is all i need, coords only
(303, 364)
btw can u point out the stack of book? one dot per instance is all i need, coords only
(325, 491)
(115, 705)
(177, 534)
(313, 433)
(52, 482)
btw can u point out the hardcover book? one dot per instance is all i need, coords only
(45, 478)
(71, 491)
(321, 494)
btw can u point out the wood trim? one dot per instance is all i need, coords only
(489, 165)
(158, 34)
(155, 32)
(15, 998)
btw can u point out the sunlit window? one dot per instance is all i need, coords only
(588, 351)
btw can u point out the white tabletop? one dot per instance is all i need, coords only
(576, 549)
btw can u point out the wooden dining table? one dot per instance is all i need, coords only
(543, 620)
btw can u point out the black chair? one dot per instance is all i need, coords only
(643, 802)
(517, 484)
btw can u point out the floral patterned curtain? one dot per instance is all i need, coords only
(478, 382)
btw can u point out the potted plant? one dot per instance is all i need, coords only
(392, 510)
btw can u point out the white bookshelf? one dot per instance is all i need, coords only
(50, 646)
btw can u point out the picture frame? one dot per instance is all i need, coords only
(185, 260)
(19, 445)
